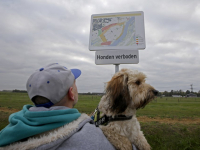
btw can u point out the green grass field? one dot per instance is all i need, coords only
(160, 135)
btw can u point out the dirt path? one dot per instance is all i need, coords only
(140, 119)
(169, 120)
(8, 110)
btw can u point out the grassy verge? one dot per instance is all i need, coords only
(172, 136)
(161, 136)
(3, 119)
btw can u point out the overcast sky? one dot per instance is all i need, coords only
(34, 33)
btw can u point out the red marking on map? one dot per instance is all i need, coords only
(107, 27)
(106, 43)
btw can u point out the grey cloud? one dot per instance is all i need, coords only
(35, 33)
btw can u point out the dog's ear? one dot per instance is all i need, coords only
(118, 93)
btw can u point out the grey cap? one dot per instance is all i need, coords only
(52, 82)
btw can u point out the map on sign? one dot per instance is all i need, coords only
(117, 31)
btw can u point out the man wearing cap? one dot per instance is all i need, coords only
(52, 123)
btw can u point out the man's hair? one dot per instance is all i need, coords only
(40, 100)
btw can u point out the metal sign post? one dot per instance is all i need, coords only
(116, 68)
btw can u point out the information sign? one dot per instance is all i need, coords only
(117, 31)
(116, 57)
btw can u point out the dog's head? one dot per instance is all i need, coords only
(127, 88)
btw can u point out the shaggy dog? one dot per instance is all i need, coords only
(125, 93)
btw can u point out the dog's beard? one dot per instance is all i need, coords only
(149, 96)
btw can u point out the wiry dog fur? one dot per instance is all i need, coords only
(125, 93)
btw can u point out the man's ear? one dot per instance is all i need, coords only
(70, 94)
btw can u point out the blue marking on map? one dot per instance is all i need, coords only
(94, 41)
(124, 33)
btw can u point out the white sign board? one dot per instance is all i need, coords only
(116, 57)
(122, 31)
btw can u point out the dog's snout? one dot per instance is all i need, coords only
(155, 92)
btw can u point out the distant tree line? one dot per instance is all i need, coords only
(165, 93)
(19, 91)
(177, 92)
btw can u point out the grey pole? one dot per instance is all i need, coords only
(116, 68)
